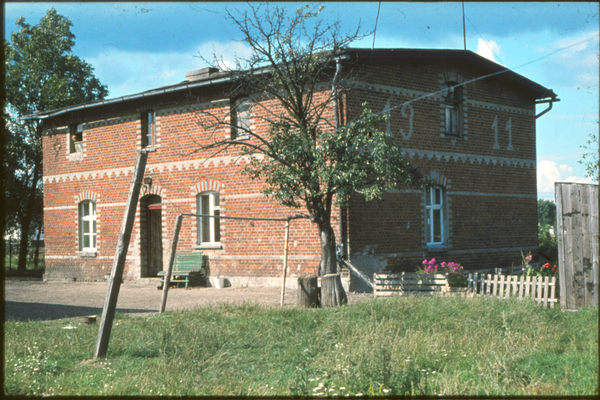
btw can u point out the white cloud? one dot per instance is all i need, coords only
(549, 172)
(487, 49)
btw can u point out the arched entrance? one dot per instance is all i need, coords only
(151, 236)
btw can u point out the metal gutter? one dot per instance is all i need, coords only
(150, 93)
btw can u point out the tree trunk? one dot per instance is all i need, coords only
(26, 219)
(308, 293)
(36, 257)
(22, 265)
(332, 291)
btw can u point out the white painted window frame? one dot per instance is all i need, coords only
(431, 206)
(90, 218)
(214, 224)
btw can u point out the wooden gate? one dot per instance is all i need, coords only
(577, 232)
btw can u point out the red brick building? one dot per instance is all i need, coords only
(465, 121)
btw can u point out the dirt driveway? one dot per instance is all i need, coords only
(36, 300)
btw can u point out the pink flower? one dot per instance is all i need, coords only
(424, 261)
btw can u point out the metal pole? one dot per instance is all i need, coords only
(116, 275)
(464, 32)
(285, 252)
(167, 282)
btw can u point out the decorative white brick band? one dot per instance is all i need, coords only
(468, 158)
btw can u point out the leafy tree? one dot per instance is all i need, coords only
(590, 158)
(41, 74)
(546, 212)
(307, 159)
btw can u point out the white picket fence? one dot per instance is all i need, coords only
(542, 290)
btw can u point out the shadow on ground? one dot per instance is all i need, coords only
(13, 311)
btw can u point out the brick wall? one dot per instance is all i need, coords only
(489, 180)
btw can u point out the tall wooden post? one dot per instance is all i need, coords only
(285, 251)
(167, 283)
(116, 275)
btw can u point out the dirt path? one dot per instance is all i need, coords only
(35, 300)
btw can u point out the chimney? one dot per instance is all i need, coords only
(200, 74)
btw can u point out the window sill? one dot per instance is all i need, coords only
(87, 254)
(208, 246)
(432, 248)
(77, 156)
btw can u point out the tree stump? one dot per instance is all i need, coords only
(308, 294)
(332, 291)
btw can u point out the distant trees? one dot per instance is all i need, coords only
(546, 213)
(41, 74)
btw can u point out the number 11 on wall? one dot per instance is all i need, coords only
(508, 129)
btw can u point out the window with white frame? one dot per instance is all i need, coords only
(209, 229)
(452, 107)
(87, 225)
(148, 129)
(434, 206)
(240, 119)
(76, 138)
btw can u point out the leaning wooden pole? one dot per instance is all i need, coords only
(167, 282)
(285, 252)
(116, 275)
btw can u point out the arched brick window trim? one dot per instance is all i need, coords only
(87, 195)
(152, 189)
(206, 186)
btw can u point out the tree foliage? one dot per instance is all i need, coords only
(294, 82)
(590, 158)
(41, 74)
(546, 212)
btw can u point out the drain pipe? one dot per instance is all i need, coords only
(336, 116)
(550, 102)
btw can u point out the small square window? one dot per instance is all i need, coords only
(76, 138)
(452, 108)
(240, 119)
(148, 129)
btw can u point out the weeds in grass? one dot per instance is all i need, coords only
(396, 346)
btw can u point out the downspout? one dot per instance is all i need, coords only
(336, 116)
(550, 102)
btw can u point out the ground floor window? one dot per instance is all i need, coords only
(434, 206)
(209, 231)
(87, 225)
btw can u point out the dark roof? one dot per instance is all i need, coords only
(495, 69)
(537, 90)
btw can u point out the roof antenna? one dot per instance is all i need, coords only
(464, 35)
(375, 30)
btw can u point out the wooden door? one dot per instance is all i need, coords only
(154, 236)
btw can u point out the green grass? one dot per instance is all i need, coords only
(396, 346)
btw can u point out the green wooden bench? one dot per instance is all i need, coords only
(185, 264)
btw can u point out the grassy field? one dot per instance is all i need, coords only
(396, 346)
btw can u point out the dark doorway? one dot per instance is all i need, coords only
(151, 238)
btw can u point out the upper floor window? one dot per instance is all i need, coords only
(148, 129)
(453, 108)
(87, 225)
(435, 215)
(209, 229)
(76, 138)
(240, 119)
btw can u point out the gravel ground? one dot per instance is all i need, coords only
(35, 300)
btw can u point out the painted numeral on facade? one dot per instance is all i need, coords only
(410, 121)
(509, 130)
(495, 128)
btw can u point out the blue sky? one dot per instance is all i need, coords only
(139, 46)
